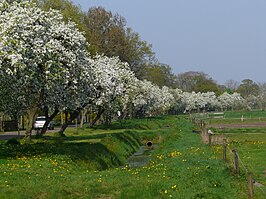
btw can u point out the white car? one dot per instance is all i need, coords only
(39, 123)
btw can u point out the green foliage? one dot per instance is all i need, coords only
(110, 36)
(198, 82)
(160, 75)
(68, 10)
(247, 88)
(106, 33)
(204, 85)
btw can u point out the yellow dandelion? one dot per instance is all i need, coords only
(174, 186)
(99, 180)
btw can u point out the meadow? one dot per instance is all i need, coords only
(248, 136)
(92, 163)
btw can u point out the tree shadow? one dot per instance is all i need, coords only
(77, 148)
(140, 124)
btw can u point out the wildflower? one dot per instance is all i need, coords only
(174, 154)
(174, 187)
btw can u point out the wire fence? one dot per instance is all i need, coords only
(239, 166)
(236, 162)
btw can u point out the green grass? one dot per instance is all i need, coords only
(250, 143)
(90, 163)
(252, 153)
(256, 130)
(232, 117)
(246, 114)
(235, 121)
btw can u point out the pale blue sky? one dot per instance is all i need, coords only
(223, 38)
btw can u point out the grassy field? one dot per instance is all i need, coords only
(232, 117)
(91, 163)
(251, 150)
(249, 140)
(246, 114)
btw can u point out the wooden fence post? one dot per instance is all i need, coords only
(250, 186)
(210, 138)
(236, 165)
(225, 149)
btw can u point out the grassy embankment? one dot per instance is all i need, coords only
(87, 164)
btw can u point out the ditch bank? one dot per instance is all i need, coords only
(142, 156)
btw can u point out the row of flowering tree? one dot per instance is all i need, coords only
(45, 65)
(196, 102)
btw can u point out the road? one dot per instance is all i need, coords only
(14, 134)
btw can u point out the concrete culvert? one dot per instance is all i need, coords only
(149, 144)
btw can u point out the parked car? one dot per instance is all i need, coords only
(39, 123)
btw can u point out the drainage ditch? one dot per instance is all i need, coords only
(141, 157)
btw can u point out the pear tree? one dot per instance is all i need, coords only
(41, 56)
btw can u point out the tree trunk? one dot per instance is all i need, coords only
(62, 118)
(31, 118)
(73, 115)
(83, 116)
(64, 124)
(48, 120)
(124, 115)
(62, 129)
(98, 116)
(107, 118)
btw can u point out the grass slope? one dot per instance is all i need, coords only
(73, 167)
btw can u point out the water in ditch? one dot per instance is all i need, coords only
(141, 157)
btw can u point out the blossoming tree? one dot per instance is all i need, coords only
(230, 101)
(149, 99)
(111, 79)
(40, 55)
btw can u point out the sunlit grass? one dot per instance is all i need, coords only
(87, 164)
(250, 142)
(246, 114)
(252, 153)
(254, 130)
